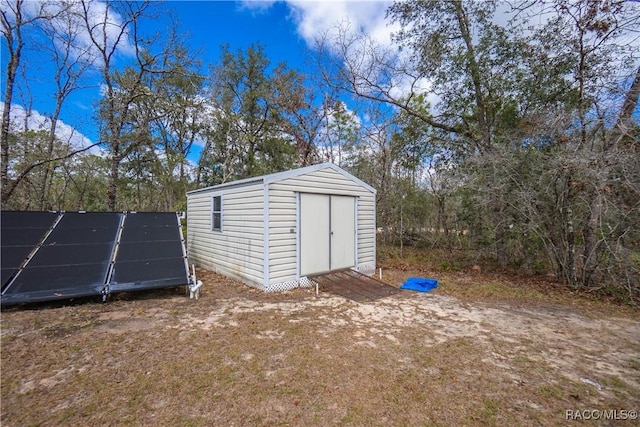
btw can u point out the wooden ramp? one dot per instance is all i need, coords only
(353, 285)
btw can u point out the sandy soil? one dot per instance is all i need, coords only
(510, 363)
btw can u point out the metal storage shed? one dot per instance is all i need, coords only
(272, 231)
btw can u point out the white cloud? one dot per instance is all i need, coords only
(365, 20)
(313, 18)
(105, 21)
(257, 5)
(404, 85)
(37, 122)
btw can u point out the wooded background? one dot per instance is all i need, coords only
(517, 142)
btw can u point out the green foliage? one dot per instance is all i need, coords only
(515, 142)
(526, 127)
(72, 183)
(245, 137)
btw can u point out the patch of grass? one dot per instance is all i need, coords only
(634, 363)
(551, 391)
(618, 383)
(458, 277)
(524, 360)
(614, 382)
(187, 420)
(502, 289)
(489, 410)
(447, 265)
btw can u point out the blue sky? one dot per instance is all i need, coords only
(285, 29)
(210, 24)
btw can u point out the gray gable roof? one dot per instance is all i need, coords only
(279, 176)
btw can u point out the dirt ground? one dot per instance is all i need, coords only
(238, 356)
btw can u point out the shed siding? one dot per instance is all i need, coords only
(282, 219)
(238, 250)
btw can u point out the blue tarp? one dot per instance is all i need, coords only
(419, 284)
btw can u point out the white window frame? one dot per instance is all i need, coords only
(214, 212)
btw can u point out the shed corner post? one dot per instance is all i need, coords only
(375, 231)
(356, 239)
(265, 234)
(297, 193)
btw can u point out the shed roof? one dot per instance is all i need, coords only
(279, 176)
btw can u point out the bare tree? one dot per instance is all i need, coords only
(111, 30)
(14, 19)
(71, 59)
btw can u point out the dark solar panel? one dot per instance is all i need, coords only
(90, 219)
(140, 251)
(150, 234)
(150, 254)
(27, 219)
(21, 234)
(78, 254)
(21, 237)
(6, 274)
(85, 228)
(55, 282)
(151, 219)
(12, 256)
(75, 258)
(149, 274)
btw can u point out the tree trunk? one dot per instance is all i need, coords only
(48, 170)
(112, 190)
(589, 252)
(498, 230)
(12, 68)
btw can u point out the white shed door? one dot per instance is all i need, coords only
(314, 233)
(327, 233)
(343, 232)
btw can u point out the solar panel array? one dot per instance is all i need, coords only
(49, 256)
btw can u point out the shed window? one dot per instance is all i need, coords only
(216, 214)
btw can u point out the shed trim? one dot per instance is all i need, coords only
(356, 231)
(297, 193)
(265, 234)
(232, 184)
(279, 176)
